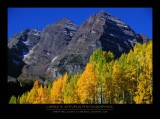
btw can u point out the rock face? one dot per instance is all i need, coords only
(18, 47)
(63, 47)
(145, 39)
(101, 30)
(53, 39)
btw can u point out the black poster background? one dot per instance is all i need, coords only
(133, 110)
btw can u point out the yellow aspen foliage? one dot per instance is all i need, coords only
(99, 59)
(86, 85)
(32, 94)
(143, 95)
(126, 80)
(139, 51)
(56, 96)
(48, 87)
(65, 81)
(108, 85)
(37, 95)
(131, 62)
(22, 99)
(149, 72)
(149, 58)
(123, 81)
(131, 74)
(58, 89)
(116, 81)
(121, 102)
(42, 97)
(13, 100)
(70, 94)
(141, 91)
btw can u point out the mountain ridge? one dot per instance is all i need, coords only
(64, 47)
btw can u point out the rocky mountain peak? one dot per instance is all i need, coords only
(68, 24)
(100, 30)
(64, 21)
(35, 32)
(27, 38)
(25, 30)
(53, 40)
(63, 47)
(18, 46)
(102, 13)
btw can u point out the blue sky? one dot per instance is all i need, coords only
(139, 19)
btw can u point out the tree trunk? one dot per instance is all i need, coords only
(101, 95)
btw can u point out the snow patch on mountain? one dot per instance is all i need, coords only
(54, 58)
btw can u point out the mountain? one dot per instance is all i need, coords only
(63, 47)
(53, 39)
(18, 47)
